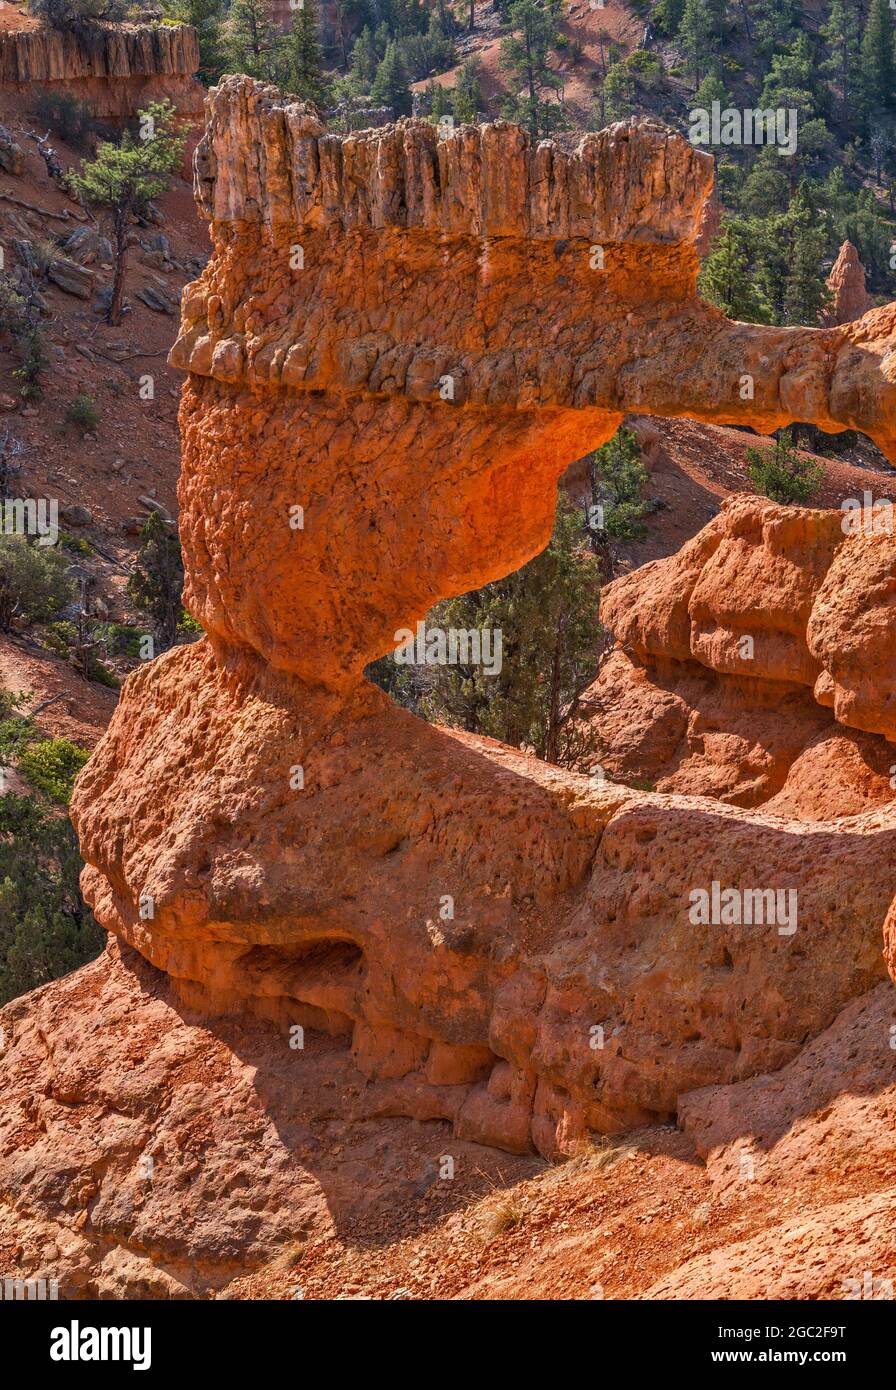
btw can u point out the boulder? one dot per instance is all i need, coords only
(155, 300)
(85, 246)
(76, 515)
(71, 277)
(12, 156)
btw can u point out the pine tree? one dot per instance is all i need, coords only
(711, 89)
(780, 473)
(791, 78)
(364, 59)
(864, 226)
(547, 614)
(439, 99)
(206, 17)
(726, 280)
(666, 17)
(124, 178)
(617, 477)
(805, 288)
(774, 24)
(303, 55)
(390, 86)
(842, 37)
(156, 586)
(524, 55)
(467, 94)
(253, 39)
(878, 68)
(617, 94)
(696, 33)
(766, 189)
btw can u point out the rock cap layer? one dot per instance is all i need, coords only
(265, 158)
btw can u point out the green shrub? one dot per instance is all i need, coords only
(77, 545)
(780, 473)
(46, 929)
(648, 66)
(34, 583)
(75, 14)
(16, 730)
(11, 701)
(59, 637)
(13, 309)
(83, 413)
(70, 119)
(51, 767)
(189, 624)
(15, 735)
(34, 362)
(62, 638)
(119, 639)
(97, 671)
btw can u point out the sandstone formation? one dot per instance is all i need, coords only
(146, 1152)
(304, 850)
(824, 1124)
(846, 282)
(756, 664)
(115, 69)
(395, 351)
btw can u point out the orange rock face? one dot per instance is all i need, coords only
(747, 662)
(395, 351)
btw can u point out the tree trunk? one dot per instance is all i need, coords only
(472, 15)
(552, 732)
(530, 75)
(121, 256)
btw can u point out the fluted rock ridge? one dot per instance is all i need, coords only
(114, 67)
